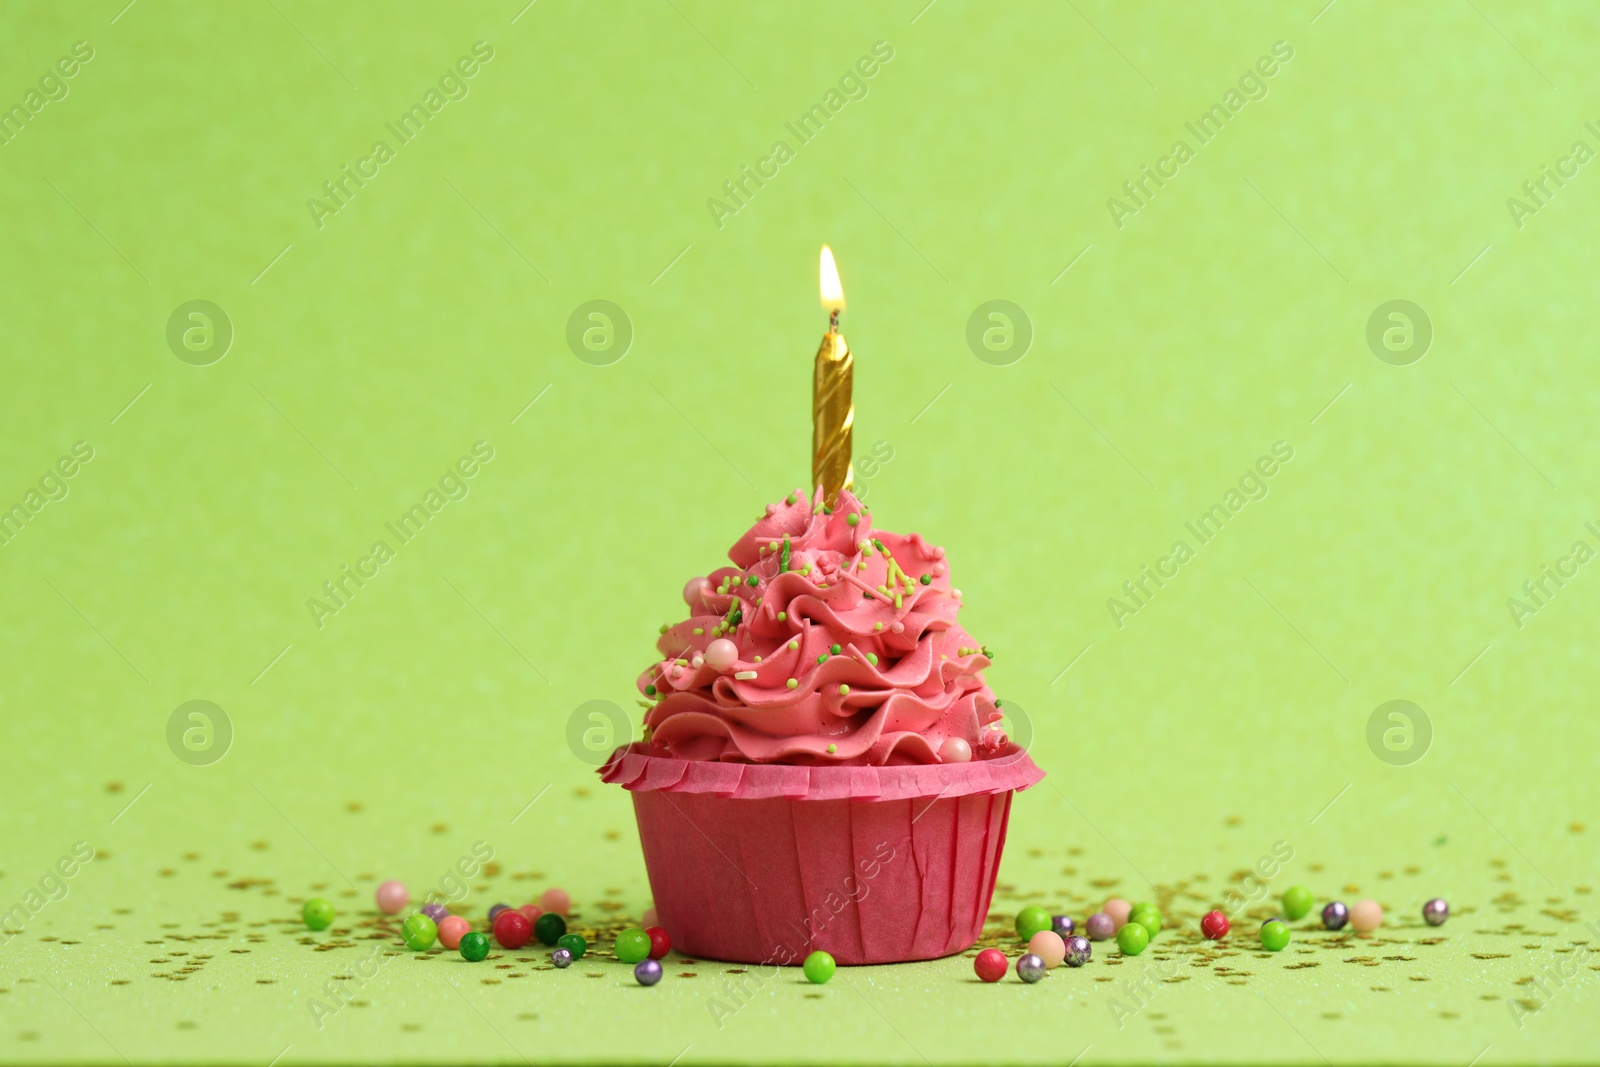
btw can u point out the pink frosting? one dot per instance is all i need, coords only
(804, 583)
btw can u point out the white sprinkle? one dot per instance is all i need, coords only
(745, 676)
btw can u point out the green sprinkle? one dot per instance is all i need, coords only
(999, 703)
(872, 658)
(927, 579)
(852, 518)
(783, 616)
(758, 659)
(789, 500)
(792, 683)
(866, 548)
(796, 644)
(827, 509)
(752, 580)
(806, 569)
(683, 663)
(783, 560)
(698, 630)
(649, 690)
(822, 658)
(844, 690)
(836, 650)
(664, 628)
(832, 749)
(877, 626)
(772, 546)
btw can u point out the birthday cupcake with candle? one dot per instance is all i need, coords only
(822, 764)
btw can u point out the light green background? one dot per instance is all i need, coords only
(1228, 314)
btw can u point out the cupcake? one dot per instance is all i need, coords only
(822, 763)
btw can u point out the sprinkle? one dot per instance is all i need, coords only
(852, 518)
(866, 594)
(927, 579)
(898, 602)
(956, 593)
(698, 630)
(877, 626)
(772, 546)
(793, 645)
(986, 652)
(761, 550)
(645, 704)
(827, 510)
(752, 580)
(649, 690)
(783, 561)
(792, 682)
(872, 658)
(758, 659)
(832, 749)
(822, 658)
(664, 628)
(999, 703)
(866, 548)
(745, 676)
(789, 500)
(682, 662)
(844, 690)
(783, 616)
(836, 650)
(861, 565)
(943, 656)
(806, 569)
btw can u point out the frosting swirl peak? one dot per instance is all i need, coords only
(826, 642)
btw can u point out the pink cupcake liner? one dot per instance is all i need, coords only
(760, 863)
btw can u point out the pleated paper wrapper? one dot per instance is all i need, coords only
(759, 863)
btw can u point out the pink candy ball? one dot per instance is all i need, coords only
(1048, 946)
(531, 912)
(1366, 916)
(391, 897)
(695, 590)
(555, 900)
(649, 918)
(954, 750)
(1118, 909)
(451, 930)
(721, 654)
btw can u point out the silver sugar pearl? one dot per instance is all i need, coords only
(1436, 911)
(562, 958)
(1030, 968)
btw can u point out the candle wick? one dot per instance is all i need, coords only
(833, 321)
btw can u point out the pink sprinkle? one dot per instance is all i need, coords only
(898, 627)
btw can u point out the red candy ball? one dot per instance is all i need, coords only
(512, 928)
(660, 943)
(1214, 925)
(990, 965)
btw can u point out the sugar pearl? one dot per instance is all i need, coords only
(697, 589)
(649, 918)
(1118, 909)
(1100, 927)
(1063, 925)
(436, 912)
(721, 654)
(1214, 925)
(1078, 951)
(561, 958)
(1335, 915)
(391, 897)
(648, 972)
(954, 750)
(1366, 916)
(1030, 968)
(1048, 946)
(1435, 912)
(451, 929)
(991, 965)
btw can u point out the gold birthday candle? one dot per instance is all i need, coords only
(833, 411)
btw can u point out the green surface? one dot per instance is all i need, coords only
(1204, 344)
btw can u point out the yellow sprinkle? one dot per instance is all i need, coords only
(758, 659)
(791, 683)
(832, 749)
(877, 626)
(698, 630)
(682, 662)
(783, 616)
(806, 569)
(844, 690)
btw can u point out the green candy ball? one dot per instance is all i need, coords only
(1147, 916)
(549, 928)
(632, 945)
(573, 943)
(1030, 920)
(317, 913)
(1274, 936)
(819, 967)
(474, 947)
(1297, 902)
(1133, 938)
(419, 932)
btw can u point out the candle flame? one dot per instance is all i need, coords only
(832, 291)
